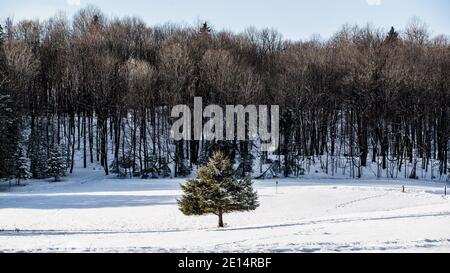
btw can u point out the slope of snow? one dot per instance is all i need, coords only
(93, 213)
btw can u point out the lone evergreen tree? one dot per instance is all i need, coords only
(56, 164)
(22, 166)
(217, 191)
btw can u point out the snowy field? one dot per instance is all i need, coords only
(92, 213)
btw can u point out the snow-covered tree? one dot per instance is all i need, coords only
(56, 166)
(217, 191)
(22, 166)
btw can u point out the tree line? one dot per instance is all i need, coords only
(364, 100)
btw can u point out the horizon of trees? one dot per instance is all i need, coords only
(105, 87)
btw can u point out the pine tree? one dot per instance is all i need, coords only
(22, 170)
(9, 131)
(56, 166)
(217, 191)
(392, 36)
(8, 118)
(205, 29)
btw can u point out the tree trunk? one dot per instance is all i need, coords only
(84, 142)
(91, 139)
(72, 130)
(220, 220)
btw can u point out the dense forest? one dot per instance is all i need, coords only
(102, 89)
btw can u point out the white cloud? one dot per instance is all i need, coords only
(74, 2)
(374, 2)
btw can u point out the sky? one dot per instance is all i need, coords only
(294, 19)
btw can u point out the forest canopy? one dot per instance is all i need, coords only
(104, 87)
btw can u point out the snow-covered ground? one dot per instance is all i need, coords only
(92, 213)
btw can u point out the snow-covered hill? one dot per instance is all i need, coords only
(94, 213)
